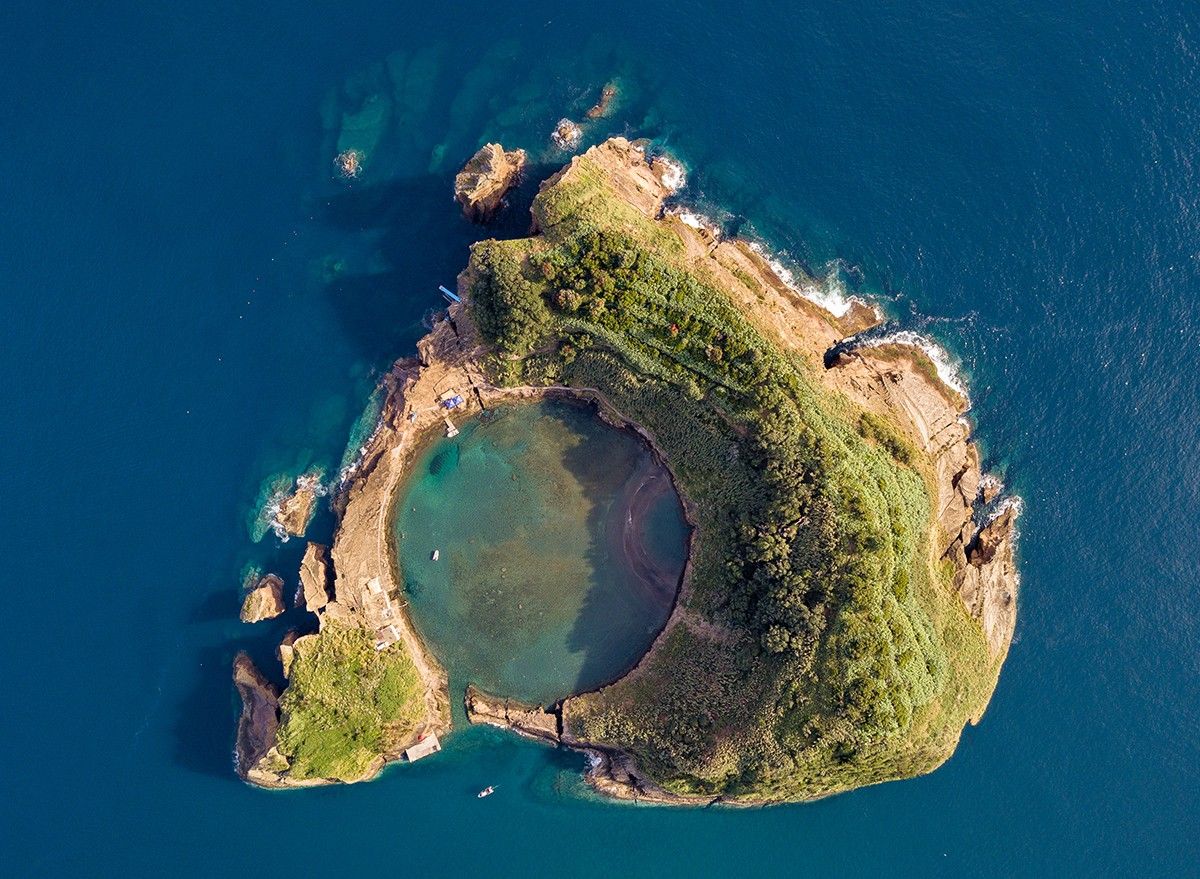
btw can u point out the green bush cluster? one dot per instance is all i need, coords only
(346, 704)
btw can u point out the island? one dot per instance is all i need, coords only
(849, 593)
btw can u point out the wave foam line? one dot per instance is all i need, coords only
(947, 369)
(829, 295)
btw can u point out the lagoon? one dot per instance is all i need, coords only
(560, 545)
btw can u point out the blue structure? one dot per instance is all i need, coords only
(453, 297)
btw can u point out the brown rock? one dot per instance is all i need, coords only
(259, 722)
(987, 584)
(315, 577)
(481, 185)
(566, 134)
(529, 720)
(296, 510)
(604, 105)
(286, 652)
(264, 601)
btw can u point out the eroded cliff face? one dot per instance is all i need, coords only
(487, 177)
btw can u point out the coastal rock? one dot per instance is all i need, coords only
(264, 601)
(286, 652)
(315, 577)
(481, 185)
(987, 583)
(603, 106)
(529, 720)
(296, 510)
(259, 722)
(567, 135)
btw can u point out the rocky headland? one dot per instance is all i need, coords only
(889, 395)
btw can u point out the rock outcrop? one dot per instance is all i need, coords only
(264, 601)
(286, 652)
(260, 717)
(603, 106)
(487, 177)
(986, 577)
(315, 577)
(566, 135)
(529, 720)
(297, 509)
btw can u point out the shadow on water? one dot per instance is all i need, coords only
(205, 723)
(592, 462)
(421, 240)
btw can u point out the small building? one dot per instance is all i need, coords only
(425, 747)
(386, 636)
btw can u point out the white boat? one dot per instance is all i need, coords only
(486, 792)
(436, 554)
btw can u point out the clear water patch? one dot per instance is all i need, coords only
(540, 550)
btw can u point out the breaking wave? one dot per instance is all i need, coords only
(947, 369)
(673, 175)
(829, 293)
(696, 220)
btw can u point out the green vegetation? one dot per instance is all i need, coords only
(346, 704)
(831, 653)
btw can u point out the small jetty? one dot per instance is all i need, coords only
(428, 745)
(450, 295)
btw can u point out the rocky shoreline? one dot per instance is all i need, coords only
(894, 382)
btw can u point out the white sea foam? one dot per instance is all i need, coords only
(990, 483)
(947, 369)
(1012, 502)
(696, 220)
(829, 294)
(673, 175)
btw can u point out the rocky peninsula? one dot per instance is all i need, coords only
(849, 595)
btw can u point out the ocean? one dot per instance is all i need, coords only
(195, 306)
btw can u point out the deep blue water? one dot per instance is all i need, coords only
(174, 333)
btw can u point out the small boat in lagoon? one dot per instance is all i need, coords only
(486, 792)
(436, 555)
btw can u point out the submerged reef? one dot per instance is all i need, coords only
(846, 606)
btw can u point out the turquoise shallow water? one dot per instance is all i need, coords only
(560, 545)
(194, 304)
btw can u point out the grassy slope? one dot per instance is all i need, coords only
(346, 705)
(831, 652)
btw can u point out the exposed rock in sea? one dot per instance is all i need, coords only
(348, 164)
(315, 577)
(264, 601)
(603, 106)
(566, 135)
(259, 721)
(296, 510)
(481, 185)
(990, 488)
